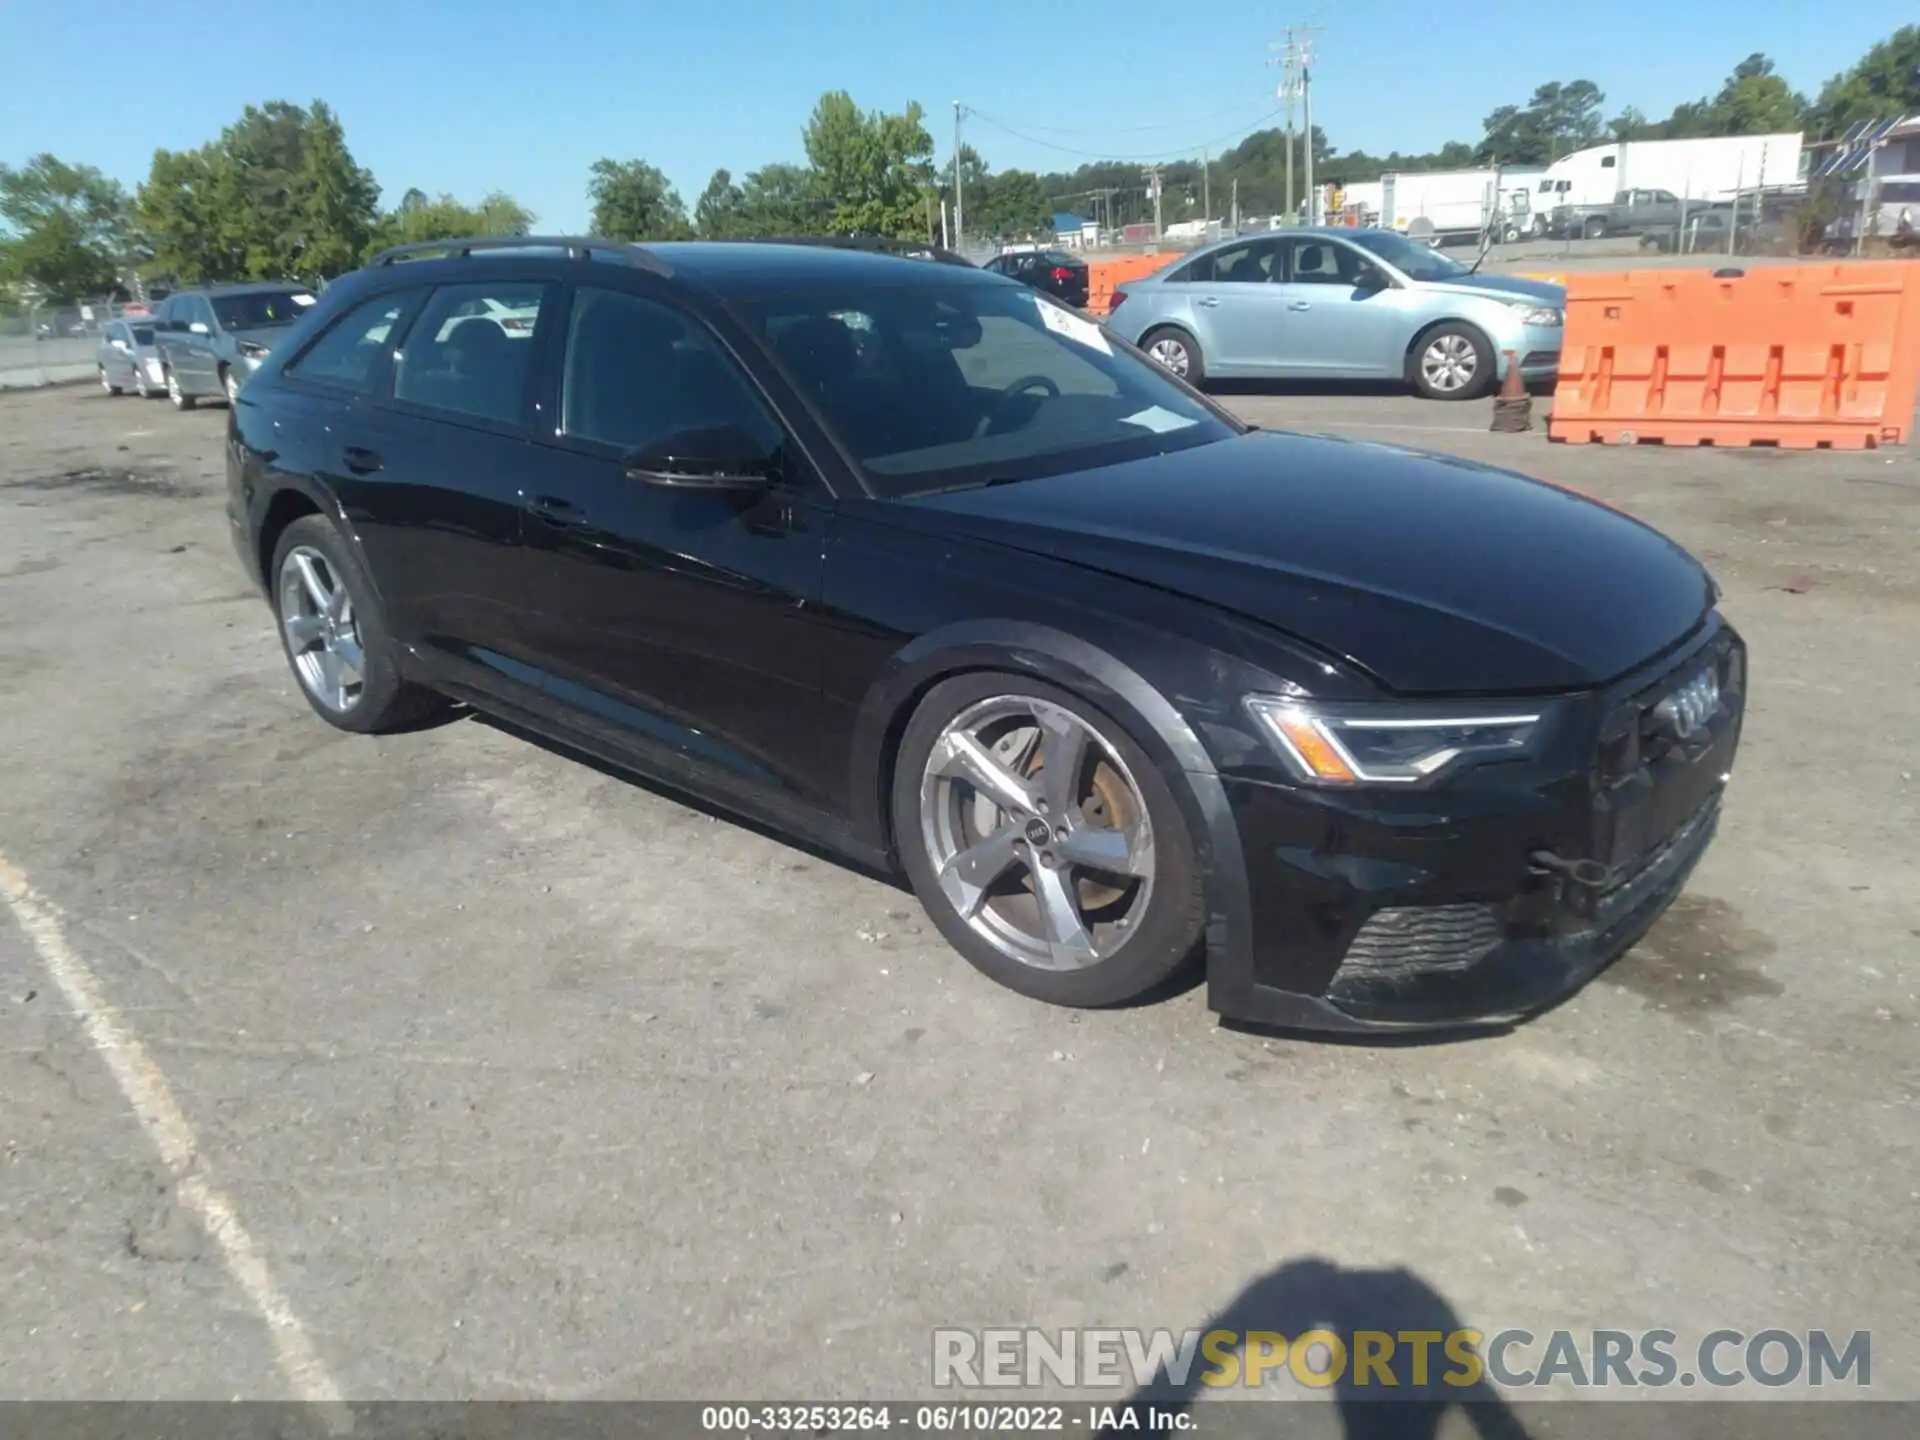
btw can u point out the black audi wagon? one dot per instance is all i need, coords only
(921, 565)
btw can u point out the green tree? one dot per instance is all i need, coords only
(1559, 119)
(69, 227)
(716, 214)
(783, 199)
(277, 196)
(870, 166)
(418, 218)
(1755, 101)
(1018, 205)
(1884, 84)
(634, 201)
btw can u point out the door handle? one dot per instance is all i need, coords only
(1208, 300)
(360, 460)
(1299, 305)
(560, 513)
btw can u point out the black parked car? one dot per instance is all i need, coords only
(921, 565)
(1059, 274)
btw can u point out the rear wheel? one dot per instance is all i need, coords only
(1452, 362)
(181, 400)
(1044, 843)
(1595, 228)
(334, 636)
(1177, 352)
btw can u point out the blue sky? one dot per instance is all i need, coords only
(524, 97)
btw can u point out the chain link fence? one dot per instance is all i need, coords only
(46, 344)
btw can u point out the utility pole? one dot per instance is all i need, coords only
(959, 200)
(1296, 84)
(1152, 172)
(1236, 204)
(1206, 192)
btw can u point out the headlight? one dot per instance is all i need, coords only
(1386, 745)
(252, 349)
(1531, 314)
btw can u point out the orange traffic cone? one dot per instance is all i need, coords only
(1513, 407)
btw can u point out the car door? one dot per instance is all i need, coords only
(1344, 318)
(1237, 311)
(170, 333)
(192, 353)
(679, 622)
(431, 467)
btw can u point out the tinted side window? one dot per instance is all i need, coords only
(636, 372)
(1320, 262)
(1253, 263)
(471, 350)
(348, 351)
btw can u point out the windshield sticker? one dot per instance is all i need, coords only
(1065, 322)
(1158, 420)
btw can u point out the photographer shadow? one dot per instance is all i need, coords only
(1316, 1294)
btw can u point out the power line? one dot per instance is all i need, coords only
(1240, 109)
(1177, 153)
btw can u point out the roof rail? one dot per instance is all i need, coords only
(577, 247)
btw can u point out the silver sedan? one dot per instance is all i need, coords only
(1341, 304)
(127, 359)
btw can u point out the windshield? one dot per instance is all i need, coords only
(1410, 258)
(143, 335)
(941, 386)
(258, 310)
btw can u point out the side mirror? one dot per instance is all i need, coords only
(713, 457)
(198, 327)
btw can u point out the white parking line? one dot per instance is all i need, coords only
(147, 1091)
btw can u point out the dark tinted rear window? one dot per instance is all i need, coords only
(143, 335)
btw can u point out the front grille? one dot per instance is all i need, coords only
(1634, 737)
(1420, 938)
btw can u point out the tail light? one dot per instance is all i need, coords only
(1114, 304)
(1061, 272)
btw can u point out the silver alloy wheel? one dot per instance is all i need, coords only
(323, 636)
(1170, 353)
(1037, 832)
(1449, 363)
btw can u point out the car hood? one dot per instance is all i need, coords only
(1435, 575)
(1518, 286)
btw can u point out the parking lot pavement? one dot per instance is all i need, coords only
(525, 1080)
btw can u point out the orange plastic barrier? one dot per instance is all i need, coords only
(1801, 356)
(1104, 275)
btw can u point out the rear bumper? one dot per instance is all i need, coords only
(1377, 914)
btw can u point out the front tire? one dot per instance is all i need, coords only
(1044, 843)
(1176, 352)
(178, 397)
(334, 636)
(1595, 229)
(106, 384)
(1451, 362)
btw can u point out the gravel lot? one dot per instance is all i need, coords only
(524, 1080)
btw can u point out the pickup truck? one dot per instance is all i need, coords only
(1633, 212)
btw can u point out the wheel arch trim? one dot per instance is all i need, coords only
(1059, 658)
